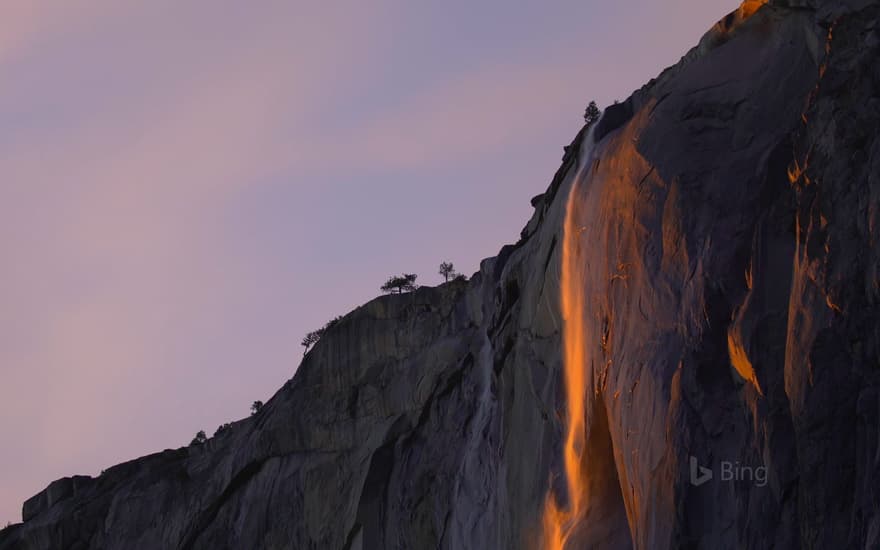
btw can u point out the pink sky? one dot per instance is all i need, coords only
(186, 188)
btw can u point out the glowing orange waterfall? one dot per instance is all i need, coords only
(559, 520)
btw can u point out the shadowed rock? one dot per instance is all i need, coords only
(730, 227)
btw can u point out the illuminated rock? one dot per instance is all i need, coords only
(729, 320)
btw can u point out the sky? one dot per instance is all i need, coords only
(188, 187)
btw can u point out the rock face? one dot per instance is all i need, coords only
(729, 233)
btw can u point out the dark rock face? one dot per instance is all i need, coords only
(730, 227)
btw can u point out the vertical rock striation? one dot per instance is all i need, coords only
(727, 249)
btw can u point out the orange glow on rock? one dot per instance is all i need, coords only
(560, 521)
(795, 171)
(749, 7)
(831, 304)
(740, 360)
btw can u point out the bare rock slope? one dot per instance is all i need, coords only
(729, 219)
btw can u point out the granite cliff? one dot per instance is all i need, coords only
(723, 224)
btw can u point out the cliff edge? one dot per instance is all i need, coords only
(727, 219)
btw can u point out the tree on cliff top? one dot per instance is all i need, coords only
(311, 339)
(592, 113)
(399, 284)
(447, 270)
(199, 439)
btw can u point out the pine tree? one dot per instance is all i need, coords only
(591, 115)
(399, 284)
(447, 270)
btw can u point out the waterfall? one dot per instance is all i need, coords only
(561, 520)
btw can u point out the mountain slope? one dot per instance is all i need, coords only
(727, 218)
